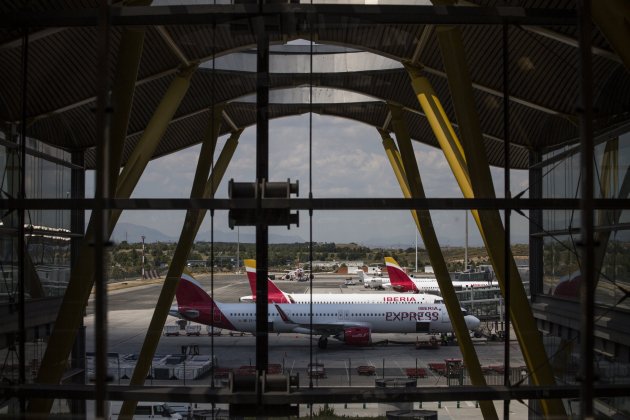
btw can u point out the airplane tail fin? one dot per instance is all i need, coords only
(250, 268)
(397, 277)
(275, 294)
(189, 293)
(194, 304)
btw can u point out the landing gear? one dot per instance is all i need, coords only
(322, 342)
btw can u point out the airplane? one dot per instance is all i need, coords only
(375, 282)
(351, 323)
(297, 274)
(275, 295)
(401, 282)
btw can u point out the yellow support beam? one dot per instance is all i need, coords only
(405, 167)
(154, 131)
(613, 19)
(81, 279)
(202, 188)
(132, 44)
(220, 167)
(468, 160)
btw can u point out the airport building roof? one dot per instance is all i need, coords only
(356, 70)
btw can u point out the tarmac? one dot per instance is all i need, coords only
(131, 305)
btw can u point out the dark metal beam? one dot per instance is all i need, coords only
(262, 176)
(587, 239)
(327, 13)
(200, 394)
(384, 203)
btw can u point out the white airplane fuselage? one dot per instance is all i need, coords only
(353, 298)
(358, 298)
(431, 284)
(395, 317)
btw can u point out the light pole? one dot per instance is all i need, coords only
(142, 256)
(466, 242)
(416, 251)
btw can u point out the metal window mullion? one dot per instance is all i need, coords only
(262, 175)
(21, 219)
(385, 203)
(101, 213)
(587, 292)
(507, 194)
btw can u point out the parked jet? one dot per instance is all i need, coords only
(401, 282)
(278, 296)
(351, 323)
(375, 282)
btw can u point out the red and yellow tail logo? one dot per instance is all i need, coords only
(398, 278)
(195, 304)
(275, 294)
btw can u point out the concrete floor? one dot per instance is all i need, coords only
(131, 307)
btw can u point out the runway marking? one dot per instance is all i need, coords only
(222, 287)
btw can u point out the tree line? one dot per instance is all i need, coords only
(126, 258)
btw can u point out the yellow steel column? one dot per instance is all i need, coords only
(132, 43)
(81, 279)
(154, 131)
(220, 167)
(425, 226)
(612, 17)
(468, 160)
(187, 236)
(394, 159)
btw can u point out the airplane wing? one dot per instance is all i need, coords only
(328, 328)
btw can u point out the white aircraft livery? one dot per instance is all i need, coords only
(278, 296)
(374, 282)
(351, 323)
(401, 282)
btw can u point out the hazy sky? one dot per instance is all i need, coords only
(348, 161)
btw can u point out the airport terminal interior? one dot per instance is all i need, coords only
(94, 92)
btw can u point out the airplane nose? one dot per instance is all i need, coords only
(472, 322)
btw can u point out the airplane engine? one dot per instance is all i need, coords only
(191, 313)
(355, 336)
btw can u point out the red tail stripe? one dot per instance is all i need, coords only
(399, 278)
(274, 293)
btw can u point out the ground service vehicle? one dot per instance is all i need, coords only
(170, 330)
(149, 410)
(193, 329)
